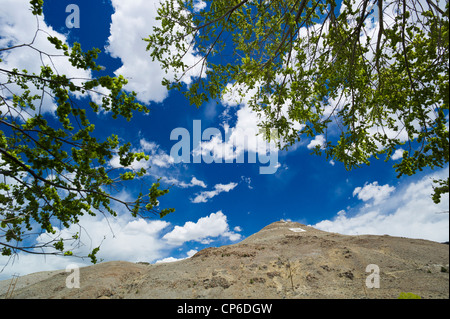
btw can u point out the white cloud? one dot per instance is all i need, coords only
(131, 22)
(148, 146)
(160, 165)
(373, 191)
(241, 138)
(397, 154)
(12, 182)
(174, 181)
(189, 254)
(218, 188)
(318, 140)
(162, 160)
(119, 238)
(199, 5)
(122, 238)
(158, 157)
(409, 212)
(194, 182)
(135, 165)
(225, 187)
(206, 228)
(244, 136)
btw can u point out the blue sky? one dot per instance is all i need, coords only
(217, 203)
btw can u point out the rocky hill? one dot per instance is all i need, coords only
(283, 260)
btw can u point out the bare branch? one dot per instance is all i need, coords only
(380, 34)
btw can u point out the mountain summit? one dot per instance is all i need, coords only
(282, 260)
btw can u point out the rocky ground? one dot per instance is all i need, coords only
(283, 260)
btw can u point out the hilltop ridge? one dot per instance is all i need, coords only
(282, 260)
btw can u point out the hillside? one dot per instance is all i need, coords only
(283, 260)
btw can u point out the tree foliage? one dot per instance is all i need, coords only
(53, 171)
(370, 76)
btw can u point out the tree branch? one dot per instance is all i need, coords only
(380, 34)
(40, 178)
(228, 13)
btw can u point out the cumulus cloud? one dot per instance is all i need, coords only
(199, 5)
(203, 231)
(160, 165)
(203, 197)
(194, 182)
(176, 182)
(243, 136)
(122, 238)
(189, 254)
(318, 140)
(409, 212)
(373, 191)
(131, 22)
(397, 154)
(158, 157)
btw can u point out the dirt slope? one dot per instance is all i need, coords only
(280, 261)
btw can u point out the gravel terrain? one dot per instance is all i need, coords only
(283, 260)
